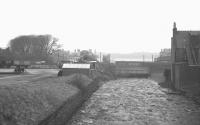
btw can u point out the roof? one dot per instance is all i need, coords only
(183, 36)
(76, 66)
(191, 32)
(117, 62)
(92, 61)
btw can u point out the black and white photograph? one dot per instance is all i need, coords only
(99, 62)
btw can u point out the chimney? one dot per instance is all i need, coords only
(174, 29)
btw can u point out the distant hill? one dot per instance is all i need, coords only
(136, 56)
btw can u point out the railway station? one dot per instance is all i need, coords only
(99, 62)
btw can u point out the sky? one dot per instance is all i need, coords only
(112, 26)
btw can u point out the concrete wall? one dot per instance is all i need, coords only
(185, 75)
(193, 73)
(157, 67)
(154, 66)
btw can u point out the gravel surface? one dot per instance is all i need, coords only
(136, 102)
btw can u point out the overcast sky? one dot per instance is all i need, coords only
(105, 25)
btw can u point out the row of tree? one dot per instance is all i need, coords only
(39, 48)
(30, 47)
(33, 47)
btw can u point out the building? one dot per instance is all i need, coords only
(185, 57)
(68, 69)
(165, 52)
(164, 56)
(88, 69)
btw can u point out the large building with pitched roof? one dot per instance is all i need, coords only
(185, 57)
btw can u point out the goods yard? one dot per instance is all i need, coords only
(133, 99)
(96, 93)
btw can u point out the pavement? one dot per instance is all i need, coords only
(136, 102)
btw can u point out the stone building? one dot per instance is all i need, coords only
(185, 57)
(164, 56)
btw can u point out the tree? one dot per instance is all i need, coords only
(87, 56)
(34, 47)
(106, 58)
(6, 57)
(5, 54)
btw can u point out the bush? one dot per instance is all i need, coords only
(108, 70)
(80, 81)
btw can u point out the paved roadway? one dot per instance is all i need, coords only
(136, 102)
(28, 76)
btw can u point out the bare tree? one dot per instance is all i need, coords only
(34, 47)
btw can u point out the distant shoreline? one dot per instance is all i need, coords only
(131, 59)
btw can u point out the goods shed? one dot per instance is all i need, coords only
(68, 69)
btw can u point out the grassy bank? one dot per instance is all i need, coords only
(29, 103)
(45, 102)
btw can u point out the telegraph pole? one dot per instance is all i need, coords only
(143, 58)
(58, 56)
(100, 57)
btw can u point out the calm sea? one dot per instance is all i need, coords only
(131, 59)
